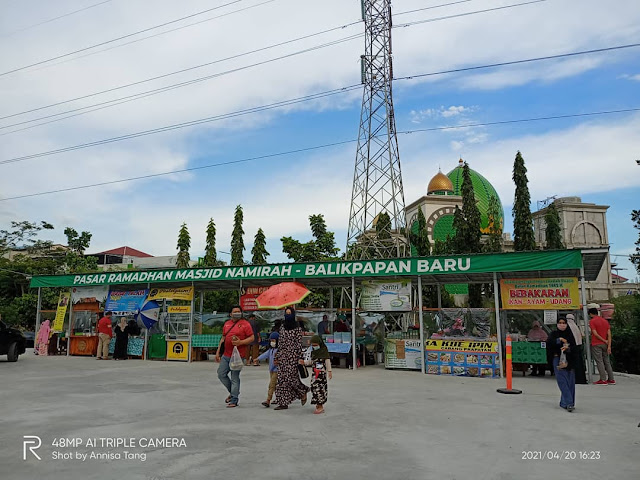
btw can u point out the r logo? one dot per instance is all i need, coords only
(31, 440)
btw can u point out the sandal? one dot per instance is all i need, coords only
(228, 399)
(256, 364)
(231, 405)
(281, 407)
(304, 399)
(266, 404)
(318, 412)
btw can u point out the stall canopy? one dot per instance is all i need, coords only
(478, 268)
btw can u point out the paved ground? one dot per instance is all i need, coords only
(379, 424)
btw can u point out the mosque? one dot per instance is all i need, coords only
(583, 225)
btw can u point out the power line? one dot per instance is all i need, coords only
(119, 38)
(185, 124)
(428, 20)
(515, 62)
(53, 19)
(89, 109)
(228, 58)
(323, 146)
(167, 75)
(431, 8)
(250, 7)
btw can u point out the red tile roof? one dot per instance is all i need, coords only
(619, 278)
(131, 252)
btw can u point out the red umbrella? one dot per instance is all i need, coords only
(282, 295)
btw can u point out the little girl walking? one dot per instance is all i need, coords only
(273, 369)
(321, 368)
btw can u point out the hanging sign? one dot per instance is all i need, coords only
(178, 293)
(89, 294)
(381, 296)
(248, 298)
(179, 309)
(472, 358)
(550, 317)
(61, 311)
(540, 294)
(403, 354)
(125, 300)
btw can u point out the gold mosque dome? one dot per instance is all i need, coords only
(440, 183)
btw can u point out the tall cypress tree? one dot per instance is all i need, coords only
(494, 242)
(456, 244)
(471, 213)
(184, 243)
(523, 238)
(259, 250)
(420, 240)
(553, 233)
(210, 256)
(237, 241)
(635, 257)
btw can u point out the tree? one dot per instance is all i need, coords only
(383, 226)
(184, 243)
(237, 242)
(494, 240)
(23, 235)
(553, 233)
(259, 250)
(77, 242)
(420, 240)
(210, 256)
(322, 248)
(523, 238)
(471, 214)
(635, 257)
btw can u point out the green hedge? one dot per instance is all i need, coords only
(625, 328)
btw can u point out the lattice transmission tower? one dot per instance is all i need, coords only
(377, 220)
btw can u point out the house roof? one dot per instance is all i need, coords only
(131, 252)
(619, 278)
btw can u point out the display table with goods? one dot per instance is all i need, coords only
(135, 346)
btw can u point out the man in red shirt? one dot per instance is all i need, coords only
(601, 346)
(105, 331)
(236, 332)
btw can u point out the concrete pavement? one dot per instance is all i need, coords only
(379, 424)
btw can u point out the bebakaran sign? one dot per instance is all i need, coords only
(506, 262)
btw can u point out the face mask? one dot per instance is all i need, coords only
(315, 347)
(289, 316)
(562, 326)
(236, 316)
(273, 344)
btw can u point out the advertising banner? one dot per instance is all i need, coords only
(472, 358)
(540, 294)
(403, 354)
(178, 350)
(178, 293)
(61, 311)
(381, 296)
(89, 294)
(125, 300)
(248, 298)
(436, 265)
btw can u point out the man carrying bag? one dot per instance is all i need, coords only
(236, 332)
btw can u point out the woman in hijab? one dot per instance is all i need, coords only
(581, 375)
(122, 340)
(42, 340)
(537, 334)
(321, 368)
(289, 387)
(561, 340)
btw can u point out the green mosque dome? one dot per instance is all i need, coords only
(483, 191)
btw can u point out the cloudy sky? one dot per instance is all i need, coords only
(590, 156)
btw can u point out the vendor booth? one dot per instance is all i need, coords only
(386, 286)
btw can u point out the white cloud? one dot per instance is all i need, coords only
(453, 111)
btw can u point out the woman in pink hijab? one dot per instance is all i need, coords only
(537, 334)
(42, 341)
